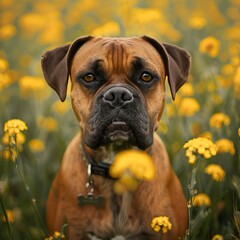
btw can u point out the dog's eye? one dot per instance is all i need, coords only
(89, 77)
(146, 77)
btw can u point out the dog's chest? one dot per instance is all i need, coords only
(116, 218)
(121, 210)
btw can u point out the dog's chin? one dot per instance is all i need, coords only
(120, 136)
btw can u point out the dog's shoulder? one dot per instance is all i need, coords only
(161, 158)
(73, 157)
(159, 149)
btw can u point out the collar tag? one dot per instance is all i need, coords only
(90, 199)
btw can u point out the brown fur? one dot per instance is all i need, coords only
(163, 195)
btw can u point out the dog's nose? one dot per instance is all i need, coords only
(118, 96)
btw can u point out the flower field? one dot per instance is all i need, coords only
(201, 128)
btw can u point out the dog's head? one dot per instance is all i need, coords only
(118, 85)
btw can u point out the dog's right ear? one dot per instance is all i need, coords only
(177, 63)
(56, 65)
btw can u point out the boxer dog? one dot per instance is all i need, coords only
(118, 95)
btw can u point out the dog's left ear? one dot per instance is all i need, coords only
(177, 63)
(56, 65)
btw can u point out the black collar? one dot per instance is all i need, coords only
(101, 168)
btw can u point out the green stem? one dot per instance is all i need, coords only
(33, 200)
(6, 218)
(62, 231)
(192, 193)
(29, 193)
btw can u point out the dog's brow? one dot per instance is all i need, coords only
(138, 62)
(96, 63)
(94, 66)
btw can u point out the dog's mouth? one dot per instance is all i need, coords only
(118, 132)
(123, 132)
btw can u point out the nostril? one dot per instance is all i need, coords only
(127, 96)
(109, 96)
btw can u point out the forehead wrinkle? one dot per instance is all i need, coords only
(92, 64)
(116, 56)
(96, 62)
(141, 63)
(138, 61)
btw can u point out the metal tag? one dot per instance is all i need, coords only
(90, 199)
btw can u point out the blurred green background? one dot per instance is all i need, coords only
(208, 105)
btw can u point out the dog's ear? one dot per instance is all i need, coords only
(56, 65)
(177, 63)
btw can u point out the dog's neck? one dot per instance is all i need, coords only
(106, 154)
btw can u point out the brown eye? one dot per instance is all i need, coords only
(89, 77)
(146, 77)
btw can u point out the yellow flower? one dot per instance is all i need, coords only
(14, 126)
(58, 234)
(3, 65)
(10, 216)
(187, 90)
(209, 45)
(139, 163)
(225, 82)
(55, 235)
(29, 85)
(7, 31)
(146, 15)
(236, 2)
(60, 107)
(170, 110)
(32, 22)
(219, 119)
(235, 61)
(36, 145)
(7, 154)
(5, 3)
(48, 124)
(197, 22)
(217, 237)
(5, 80)
(165, 28)
(108, 29)
(130, 167)
(233, 33)
(239, 132)
(216, 171)
(201, 199)
(207, 135)
(228, 69)
(161, 224)
(126, 183)
(55, 26)
(199, 146)
(225, 146)
(236, 82)
(12, 139)
(188, 107)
